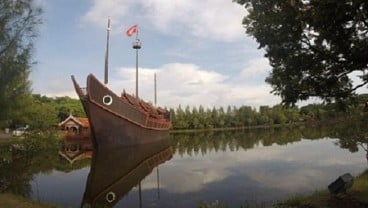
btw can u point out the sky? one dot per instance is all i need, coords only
(198, 50)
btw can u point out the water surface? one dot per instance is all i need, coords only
(256, 167)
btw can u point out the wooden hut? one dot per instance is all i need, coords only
(75, 127)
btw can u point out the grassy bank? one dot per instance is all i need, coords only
(356, 197)
(10, 200)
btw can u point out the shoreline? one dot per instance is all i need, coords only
(356, 197)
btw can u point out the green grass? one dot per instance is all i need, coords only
(361, 187)
(10, 200)
(356, 197)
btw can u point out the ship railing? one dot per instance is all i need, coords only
(131, 112)
(132, 103)
(157, 123)
(159, 158)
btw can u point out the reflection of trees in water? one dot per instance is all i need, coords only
(350, 135)
(14, 176)
(195, 143)
(19, 165)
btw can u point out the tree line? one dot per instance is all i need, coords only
(44, 113)
(247, 116)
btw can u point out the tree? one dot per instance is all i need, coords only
(18, 22)
(264, 117)
(278, 115)
(247, 115)
(68, 106)
(311, 47)
(180, 121)
(41, 115)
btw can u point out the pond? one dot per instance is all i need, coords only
(244, 167)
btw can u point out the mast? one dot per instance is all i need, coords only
(155, 89)
(107, 52)
(158, 183)
(140, 194)
(157, 170)
(136, 46)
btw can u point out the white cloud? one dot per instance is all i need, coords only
(101, 9)
(177, 84)
(215, 19)
(211, 19)
(189, 84)
(54, 85)
(354, 76)
(258, 67)
(193, 178)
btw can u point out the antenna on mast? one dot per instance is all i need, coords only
(136, 46)
(107, 52)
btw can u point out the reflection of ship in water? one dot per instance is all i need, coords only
(116, 170)
(76, 149)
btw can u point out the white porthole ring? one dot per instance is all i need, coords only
(110, 197)
(107, 99)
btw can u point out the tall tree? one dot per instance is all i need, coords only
(314, 46)
(18, 25)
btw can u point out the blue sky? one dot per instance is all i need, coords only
(198, 49)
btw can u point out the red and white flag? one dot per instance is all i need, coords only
(133, 29)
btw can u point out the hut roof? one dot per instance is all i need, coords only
(79, 120)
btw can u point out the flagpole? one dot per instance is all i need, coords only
(107, 52)
(155, 89)
(136, 46)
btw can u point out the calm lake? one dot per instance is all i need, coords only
(244, 167)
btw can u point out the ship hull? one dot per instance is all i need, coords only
(115, 171)
(110, 130)
(114, 122)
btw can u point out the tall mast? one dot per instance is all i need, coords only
(155, 89)
(136, 46)
(107, 52)
(140, 194)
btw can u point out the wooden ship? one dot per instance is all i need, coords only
(120, 120)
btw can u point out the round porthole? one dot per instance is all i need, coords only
(110, 197)
(107, 100)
